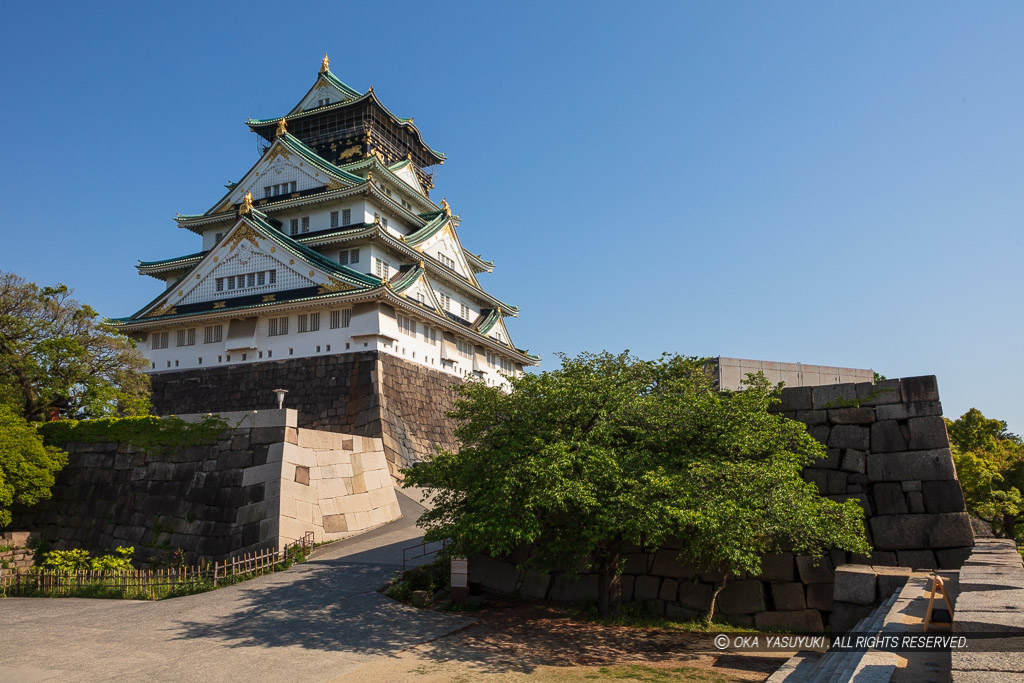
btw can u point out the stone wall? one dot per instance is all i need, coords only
(887, 449)
(264, 483)
(367, 393)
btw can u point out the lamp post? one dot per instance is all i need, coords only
(280, 397)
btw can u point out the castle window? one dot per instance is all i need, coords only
(446, 261)
(384, 222)
(308, 322)
(261, 278)
(348, 256)
(444, 300)
(291, 186)
(187, 337)
(294, 225)
(218, 237)
(465, 310)
(430, 335)
(278, 326)
(220, 284)
(160, 340)
(465, 348)
(305, 224)
(334, 219)
(250, 280)
(407, 325)
(346, 216)
(341, 318)
(273, 276)
(266, 192)
(382, 269)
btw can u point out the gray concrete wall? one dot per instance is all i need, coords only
(730, 373)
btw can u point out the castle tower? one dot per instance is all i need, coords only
(327, 270)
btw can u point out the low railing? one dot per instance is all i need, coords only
(420, 550)
(150, 584)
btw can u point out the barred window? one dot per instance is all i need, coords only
(465, 348)
(213, 334)
(160, 340)
(278, 326)
(334, 219)
(430, 335)
(294, 226)
(341, 318)
(444, 300)
(346, 216)
(305, 224)
(348, 257)
(407, 325)
(187, 337)
(466, 312)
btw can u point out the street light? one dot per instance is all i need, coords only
(280, 397)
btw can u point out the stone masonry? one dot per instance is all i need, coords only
(887, 449)
(367, 393)
(264, 483)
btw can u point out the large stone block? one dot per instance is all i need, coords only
(814, 570)
(668, 563)
(834, 396)
(885, 392)
(492, 573)
(795, 398)
(812, 418)
(777, 567)
(803, 621)
(911, 465)
(742, 597)
(889, 498)
(646, 588)
(694, 595)
(915, 389)
(917, 559)
(943, 496)
(788, 596)
(855, 584)
(669, 590)
(851, 416)
(952, 558)
(854, 461)
(920, 531)
(887, 437)
(927, 432)
(903, 411)
(845, 616)
(819, 596)
(849, 436)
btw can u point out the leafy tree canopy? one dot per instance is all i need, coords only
(990, 465)
(57, 356)
(27, 466)
(609, 451)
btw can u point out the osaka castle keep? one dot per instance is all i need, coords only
(327, 270)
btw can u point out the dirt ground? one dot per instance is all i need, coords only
(524, 641)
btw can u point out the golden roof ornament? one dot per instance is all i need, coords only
(444, 206)
(282, 127)
(423, 266)
(376, 219)
(325, 65)
(246, 207)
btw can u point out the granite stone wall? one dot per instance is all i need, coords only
(887, 449)
(367, 393)
(265, 482)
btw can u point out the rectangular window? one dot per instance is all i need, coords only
(278, 326)
(430, 335)
(353, 256)
(218, 237)
(466, 312)
(292, 186)
(341, 318)
(384, 222)
(213, 334)
(261, 278)
(343, 257)
(294, 225)
(302, 324)
(220, 284)
(305, 224)
(186, 337)
(382, 269)
(407, 325)
(444, 300)
(465, 348)
(446, 261)
(266, 191)
(231, 282)
(334, 219)
(160, 340)
(314, 322)
(273, 276)
(346, 216)
(250, 280)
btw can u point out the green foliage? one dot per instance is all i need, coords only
(79, 560)
(56, 355)
(152, 434)
(990, 465)
(27, 467)
(430, 577)
(609, 450)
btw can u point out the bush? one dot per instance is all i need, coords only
(80, 560)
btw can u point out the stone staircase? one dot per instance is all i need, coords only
(838, 666)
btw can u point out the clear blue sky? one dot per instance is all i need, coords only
(835, 185)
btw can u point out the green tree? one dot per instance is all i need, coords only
(56, 355)
(610, 451)
(990, 465)
(27, 466)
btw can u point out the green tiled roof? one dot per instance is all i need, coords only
(428, 230)
(169, 261)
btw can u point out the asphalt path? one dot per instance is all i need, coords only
(314, 622)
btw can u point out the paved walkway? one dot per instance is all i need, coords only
(314, 622)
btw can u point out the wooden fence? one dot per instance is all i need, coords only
(149, 584)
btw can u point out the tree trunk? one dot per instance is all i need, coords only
(609, 581)
(714, 597)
